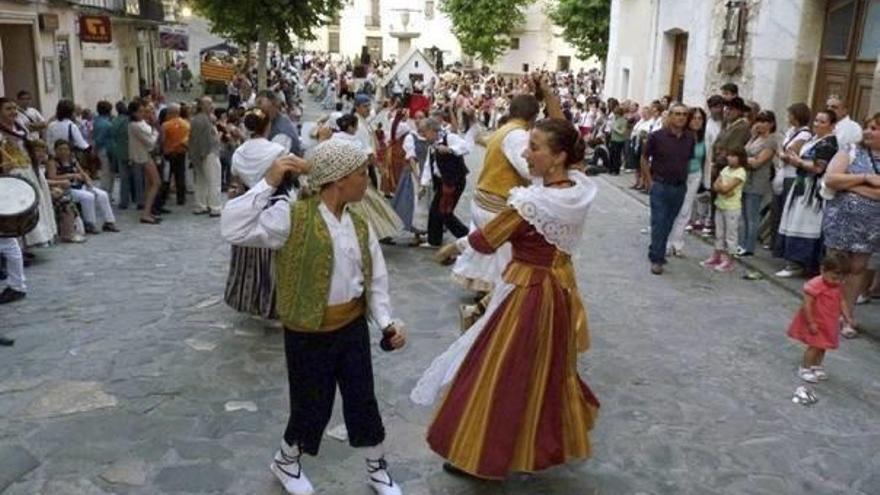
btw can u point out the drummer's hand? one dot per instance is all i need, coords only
(64, 184)
(446, 253)
(288, 164)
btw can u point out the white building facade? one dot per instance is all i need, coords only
(389, 28)
(777, 51)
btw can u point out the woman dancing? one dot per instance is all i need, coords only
(516, 402)
(250, 286)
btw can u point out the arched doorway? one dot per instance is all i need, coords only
(850, 46)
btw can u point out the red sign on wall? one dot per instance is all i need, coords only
(95, 29)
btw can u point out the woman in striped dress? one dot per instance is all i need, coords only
(250, 285)
(516, 402)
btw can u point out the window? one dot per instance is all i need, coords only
(838, 29)
(333, 45)
(334, 20)
(563, 63)
(514, 43)
(429, 10)
(871, 37)
(526, 68)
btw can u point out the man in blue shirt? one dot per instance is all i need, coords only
(102, 135)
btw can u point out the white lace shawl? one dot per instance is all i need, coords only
(253, 158)
(557, 214)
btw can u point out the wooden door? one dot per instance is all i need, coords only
(850, 45)
(676, 85)
(374, 45)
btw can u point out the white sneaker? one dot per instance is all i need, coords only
(287, 468)
(379, 479)
(819, 372)
(789, 272)
(862, 299)
(807, 375)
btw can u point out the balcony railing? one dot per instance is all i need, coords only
(373, 21)
(146, 9)
(117, 6)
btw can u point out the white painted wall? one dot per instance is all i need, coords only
(539, 40)
(780, 59)
(629, 47)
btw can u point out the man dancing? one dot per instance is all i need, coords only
(330, 273)
(504, 168)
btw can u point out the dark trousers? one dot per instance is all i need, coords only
(437, 220)
(374, 179)
(615, 148)
(666, 201)
(177, 173)
(316, 363)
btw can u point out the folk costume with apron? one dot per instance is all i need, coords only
(330, 278)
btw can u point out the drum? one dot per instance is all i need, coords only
(19, 207)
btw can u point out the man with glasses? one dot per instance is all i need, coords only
(668, 151)
(846, 130)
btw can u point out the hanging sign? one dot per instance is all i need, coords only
(95, 29)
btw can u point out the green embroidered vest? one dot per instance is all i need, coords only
(304, 266)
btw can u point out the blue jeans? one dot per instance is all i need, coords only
(751, 221)
(666, 201)
(131, 184)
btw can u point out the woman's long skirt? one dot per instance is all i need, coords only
(250, 286)
(517, 403)
(379, 214)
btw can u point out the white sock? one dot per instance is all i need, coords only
(290, 451)
(374, 453)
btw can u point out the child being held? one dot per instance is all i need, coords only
(728, 207)
(817, 323)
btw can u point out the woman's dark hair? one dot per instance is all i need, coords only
(832, 117)
(562, 136)
(346, 121)
(836, 263)
(658, 106)
(133, 108)
(105, 108)
(701, 132)
(767, 116)
(64, 109)
(257, 122)
(741, 156)
(61, 142)
(801, 114)
(121, 108)
(4, 100)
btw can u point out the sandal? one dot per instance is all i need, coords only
(848, 331)
(151, 220)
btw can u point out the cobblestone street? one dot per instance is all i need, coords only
(129, 375)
